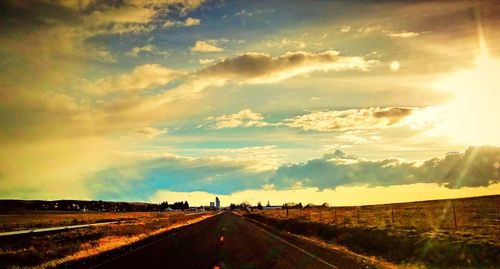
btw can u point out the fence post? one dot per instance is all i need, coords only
(454, 215)
(335, 211)
(320, 217)
(358, 214)
(286, 212)
(392, 213)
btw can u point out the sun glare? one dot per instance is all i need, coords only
(472, 115)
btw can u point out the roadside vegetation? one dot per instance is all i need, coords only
(422, 234)
(48, 250)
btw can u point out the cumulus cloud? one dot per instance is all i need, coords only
(141, 78)
(478, 166)
(148, 132)
(188, 22)
(206, 46)
(351, 119)
(244, 118)
(263, 68)
(144, 174)
(149, 48)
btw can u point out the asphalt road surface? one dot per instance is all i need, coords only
(231, 241)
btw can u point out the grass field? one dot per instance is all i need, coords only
(426, 233)
(478, 215)
(31, 219)
(47, 250)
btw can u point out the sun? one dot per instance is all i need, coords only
(472, 116)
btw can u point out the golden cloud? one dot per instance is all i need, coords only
(263, 68)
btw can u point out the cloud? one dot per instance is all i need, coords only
(369, 29)
(341, 196)
(132, 16)
(189, 22)
(206, 61)
(267, 157)
(206, 46)
(403, 34)
(141, 78)
(345, 29)
(263, 68)
(126, 14)
(352, 119)
(380, 29)
(285, 42)
(476, 167)
(244, 118)
(192, 22)
(256, 12)
(148, 132)
(151, 49)
(141, 175)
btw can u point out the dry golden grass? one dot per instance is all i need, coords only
(474, 216)
(48, 250)
(24, 220)
(422, 234)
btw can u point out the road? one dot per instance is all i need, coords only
(231, 241)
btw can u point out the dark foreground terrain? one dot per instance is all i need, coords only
(229, 241)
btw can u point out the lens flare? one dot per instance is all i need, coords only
(472, 115)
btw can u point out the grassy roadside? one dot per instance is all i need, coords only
(49, 250)
(397, 245)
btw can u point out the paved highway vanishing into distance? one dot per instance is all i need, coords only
(229, 240)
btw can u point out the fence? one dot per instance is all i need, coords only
(479, 215)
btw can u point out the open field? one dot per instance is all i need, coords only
(46, 250)
(477, 215)
(31, 219)
(426, 233)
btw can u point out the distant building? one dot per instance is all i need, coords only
(212, 205)
(217, 202)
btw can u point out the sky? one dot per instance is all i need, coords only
(344, 102)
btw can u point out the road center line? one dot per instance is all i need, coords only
(294, 246)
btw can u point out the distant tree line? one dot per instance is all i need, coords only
(80, 205)
(175, 206)
(246, 205)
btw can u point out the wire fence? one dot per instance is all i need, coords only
(478, 215)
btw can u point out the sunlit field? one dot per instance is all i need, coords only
(477, 216)
(48, 250)
(31, 219)
(426, 233)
